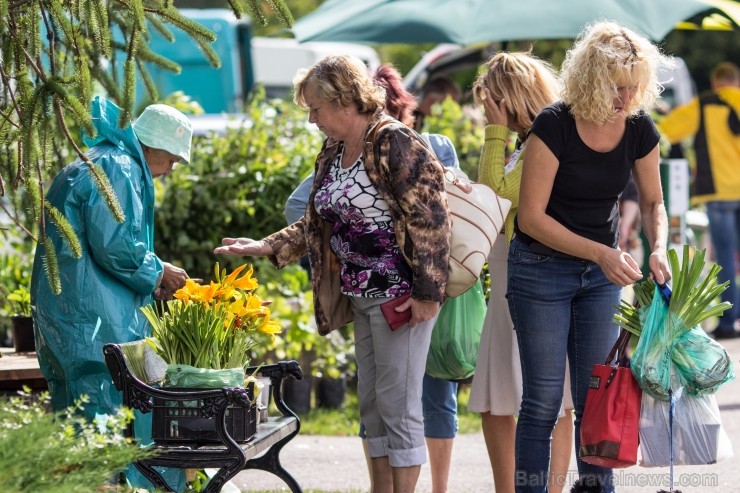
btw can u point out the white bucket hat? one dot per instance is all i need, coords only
(163, 127)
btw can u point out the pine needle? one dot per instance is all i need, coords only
(101, 14)
(256, 7)
(283, 12)
(129, 93)
(151, 87)
(144, 54)
(236, 7)
(196, 30)
(34, 194)
(65, 229)
(51, 267)
(74, 105)
(106, 190)
(213, 59)
(160, 27)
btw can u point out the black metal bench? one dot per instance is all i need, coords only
(262, 451)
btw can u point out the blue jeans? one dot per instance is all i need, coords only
(439, 403)
(724, 227)
(559, 307)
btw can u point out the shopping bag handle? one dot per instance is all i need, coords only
(665, 290)
(619, 348)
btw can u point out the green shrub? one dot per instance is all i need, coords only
(59, 453)
(449, 118)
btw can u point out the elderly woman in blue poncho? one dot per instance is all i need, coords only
(118, 272)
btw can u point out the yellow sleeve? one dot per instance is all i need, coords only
(681, 123)
(492, 163)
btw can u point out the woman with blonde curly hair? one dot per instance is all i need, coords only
(565, 268)
(512, 90)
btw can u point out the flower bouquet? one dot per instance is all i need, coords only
(211, 326)
(204, 335)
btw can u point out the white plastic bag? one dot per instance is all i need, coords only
(698, 435)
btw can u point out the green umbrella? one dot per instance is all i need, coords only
(471, 21)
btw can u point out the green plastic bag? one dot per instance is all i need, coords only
(193, 378)
(702, 364)
(666, 345)
(453, 351)
(651, 363)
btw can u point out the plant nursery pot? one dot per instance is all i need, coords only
(297, 394)
(23, 339)
(330, 392)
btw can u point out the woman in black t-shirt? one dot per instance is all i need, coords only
(565, 268)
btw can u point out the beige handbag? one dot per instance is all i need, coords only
(477, 217)
(477, 214)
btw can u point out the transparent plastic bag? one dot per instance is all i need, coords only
(205, 378)
(698, 435)
(701, 363)
(651, 362)
(453, 351)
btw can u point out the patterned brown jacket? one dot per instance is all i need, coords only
(408, 177)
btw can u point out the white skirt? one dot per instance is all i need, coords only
(497, 383)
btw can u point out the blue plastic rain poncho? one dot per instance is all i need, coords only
(102, 291)
(117, 274)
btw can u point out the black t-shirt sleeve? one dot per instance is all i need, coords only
(550, 127)
(647, 135)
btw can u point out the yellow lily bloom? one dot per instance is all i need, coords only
(246, 282)
(268, 326)
(231, 277)
(230, 302)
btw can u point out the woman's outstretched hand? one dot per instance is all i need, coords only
(243, 247)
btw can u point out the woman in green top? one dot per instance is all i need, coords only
(512, 91)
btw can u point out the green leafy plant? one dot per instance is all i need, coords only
(692, 300)
(46, 452)
(335, 355)
(15, 274)
(452, 120)
(20, 302)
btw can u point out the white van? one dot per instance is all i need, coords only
(276, 61)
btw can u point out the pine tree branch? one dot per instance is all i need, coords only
(13, 101)
(19, 3)
(101, 180)
(16, 221)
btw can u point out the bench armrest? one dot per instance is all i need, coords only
(278, 372)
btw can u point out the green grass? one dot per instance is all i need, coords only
(346, 421)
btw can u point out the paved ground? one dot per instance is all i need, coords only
(337, 464)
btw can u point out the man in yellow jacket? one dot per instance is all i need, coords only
(713, 120)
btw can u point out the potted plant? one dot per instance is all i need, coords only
(22, 323)
(204, 335)
(15, 274)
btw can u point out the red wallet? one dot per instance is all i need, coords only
(396, 319)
